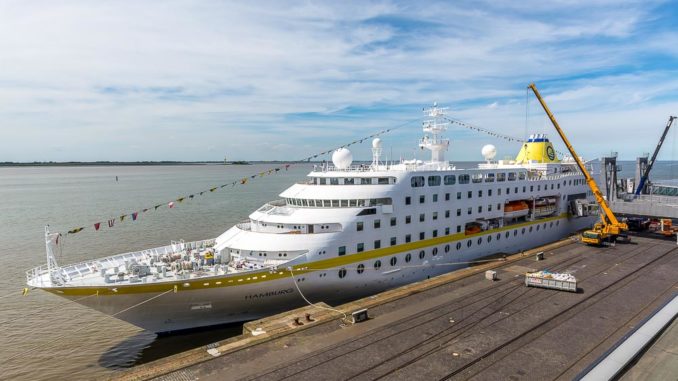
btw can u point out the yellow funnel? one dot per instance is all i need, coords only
(537, 149)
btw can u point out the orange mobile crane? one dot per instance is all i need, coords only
(609, 228)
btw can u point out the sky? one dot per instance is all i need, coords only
(281, 80)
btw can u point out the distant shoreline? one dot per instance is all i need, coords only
(128, 163)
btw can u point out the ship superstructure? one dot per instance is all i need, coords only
(350, 230)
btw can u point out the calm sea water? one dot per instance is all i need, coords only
(42, 335)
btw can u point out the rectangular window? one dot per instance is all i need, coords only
(508, 190)
(408, 219)
(447, 214)
(450, 180)
(523, 188)
(499, 192)
(422, 217)
(408, 238)
(512, 176)
(323, 181)
(447, 231)
(422, 199)
(470, 210)
(342, 250)
(501, 176)
(521, 175)
(489, 208)
(435, 233)
(377, 224)
(359, 226)
(469, 194)
(464, 179)
(349, 181)
(458, 195)
(382, 180)
(377, 244)
(433, 181)
(334, 181)
(393, 221)
(489, 193)
(458, 228)
(435, 216)
(393, 241)
(489, 178)
(365, 181)
(458, 212)
(417, 181)
(435, 198)
(498, 206)
(408, 200)
(422, 235)
(447, 197)
(480, 208)
(477, 178)
(360, 247)
(538, 188)
(344, 203)
(480, 193)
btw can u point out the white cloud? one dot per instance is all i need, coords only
(97, 80)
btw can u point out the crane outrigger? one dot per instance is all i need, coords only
(609, 228)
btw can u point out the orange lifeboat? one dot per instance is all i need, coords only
(516, 209)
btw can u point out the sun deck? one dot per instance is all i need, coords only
(177, 261)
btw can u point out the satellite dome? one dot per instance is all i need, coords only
(342, 158)
(376, 143)
(489, 151)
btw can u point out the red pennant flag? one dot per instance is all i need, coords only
(96, 226)
(134, 216)
(287, 166)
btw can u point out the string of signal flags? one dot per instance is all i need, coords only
(134, 216)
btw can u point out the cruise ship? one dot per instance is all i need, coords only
(348, 231)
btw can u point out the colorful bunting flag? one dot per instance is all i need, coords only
(76, 230)
(122, 218)
(213, 189)
(134, 216)
(244, 180)
(157, 206)
(171, 204)
(111, 222)
(97, 225)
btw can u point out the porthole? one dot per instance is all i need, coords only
(447, 248)
(530, 229)
(515, 232)
(377, 265)
(489, 238)
(557, 222)
(361, 268)
(408, 258)
(480, 240)
(468, 243)
(545, 225)
(393, 261)
(507, 234)
(422, 254)
(342, 273)
(537, 227)
(498, 236)
(551, 224)
(434, 251)
(458, 245)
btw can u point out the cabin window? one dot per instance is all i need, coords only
(365, 181)
(435, 233)
(433, 181)
(447, 248)
(408, 200)
(417, 181)
(489, 178)
(377, 224)
(422, 217)
(458, 212)
(393, 241)
(342, 273)
(458, 195)
(458, 245)
(447, 231)
(360, 247)
(447, 214)
(422, 235)
(349, 181)
(334, 181)
(408, 258)
(501, 176)
(480, 193)
(435, 198)
(393, 221)
(464, 179)
(422, 199)
(323, 181)
(341, 251)
(377, 265)
(377, 244)
(435, 216)
(394, 260)
(477, 178)
(489, 193)
(450, 180)
(382, 180)
(359, 226)
(408, 238)
(335, 203)
(521, 175)
(360, 269)
(447, 197)
(512, 176)
(344, 203)
(422, 254)
(458, 228)
(408, 219)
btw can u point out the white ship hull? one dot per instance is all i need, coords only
(205, 307)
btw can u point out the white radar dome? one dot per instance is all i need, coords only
(376, 143)
(342, 158)
(489, 151)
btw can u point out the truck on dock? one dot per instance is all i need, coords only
(554, 281)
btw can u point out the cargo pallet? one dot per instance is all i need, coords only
(562, 285)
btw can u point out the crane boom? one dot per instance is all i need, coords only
(646, 173)
(607, 212)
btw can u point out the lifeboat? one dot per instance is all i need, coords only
(516, 209)
(473, 229)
